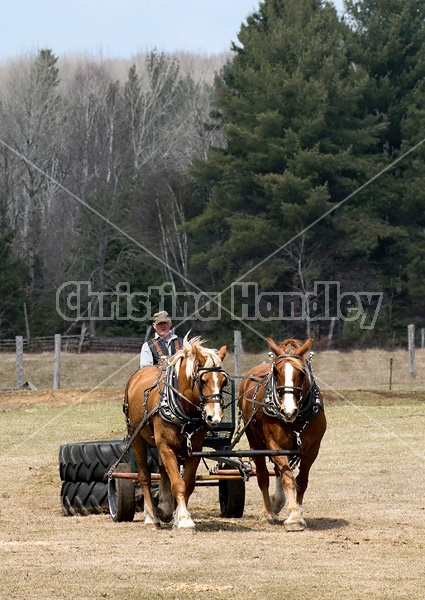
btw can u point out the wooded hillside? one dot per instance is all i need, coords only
(158, 172)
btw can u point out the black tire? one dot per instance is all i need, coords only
(89, 461)
(81, 498)
(122, 496)
(231, 494)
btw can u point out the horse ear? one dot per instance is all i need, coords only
(273, 346)
(222, 352)
(305, 347)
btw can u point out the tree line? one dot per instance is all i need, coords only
(87, 146)
(302, 163)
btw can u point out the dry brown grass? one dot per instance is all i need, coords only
(365, 505)
(367, 369)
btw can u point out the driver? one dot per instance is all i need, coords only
(163, 344)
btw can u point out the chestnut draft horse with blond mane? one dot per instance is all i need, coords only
(283, 410)
(173, 408)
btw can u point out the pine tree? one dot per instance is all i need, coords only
(389, 41)
(12, 283)
(291, 106)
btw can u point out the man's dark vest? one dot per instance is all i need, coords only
(159, 348)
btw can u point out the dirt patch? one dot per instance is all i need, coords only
(17, 399)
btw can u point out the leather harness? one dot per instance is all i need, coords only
(311, 405)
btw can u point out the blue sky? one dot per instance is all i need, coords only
(121, 28)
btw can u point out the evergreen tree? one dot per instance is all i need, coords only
(12, 284)
(389, 41)
(291, 106)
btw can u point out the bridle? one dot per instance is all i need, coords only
(208, 398)
(273, 392)
(296, 390)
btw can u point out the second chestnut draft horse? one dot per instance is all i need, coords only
(174, 407)
(283, 410)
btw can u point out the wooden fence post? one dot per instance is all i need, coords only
(57, 360)
(331, 332)
(411, 345)
(238, 351)
(19, 362)
(82, 336)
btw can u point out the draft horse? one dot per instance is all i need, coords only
(282, 408)
(173, 407)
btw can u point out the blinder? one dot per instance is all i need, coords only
(197, 378)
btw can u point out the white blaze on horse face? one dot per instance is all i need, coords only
(289, 401)
(213, 410)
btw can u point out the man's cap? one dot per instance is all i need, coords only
(161, 317)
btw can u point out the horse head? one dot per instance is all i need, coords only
(202, 377)
(291, 375)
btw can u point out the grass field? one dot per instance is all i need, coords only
(367, 369)
(365, 505)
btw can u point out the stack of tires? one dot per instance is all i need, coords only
(82, 469)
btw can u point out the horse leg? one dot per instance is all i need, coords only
(140, 449)
(165, 507)
(182, 518)
(278, 498)
(295, 521)
(311, 447)
(190, 468)
(307, 460)
(263, 480)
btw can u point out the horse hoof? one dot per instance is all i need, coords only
(184, 525)
(151, 525)
(165, 517)
(295, 525)
(271, 518)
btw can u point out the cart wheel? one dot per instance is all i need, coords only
(231, 493)
(121, 496)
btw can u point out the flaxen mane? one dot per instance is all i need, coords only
(189, 351)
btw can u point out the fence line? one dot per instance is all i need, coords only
(75, 343)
